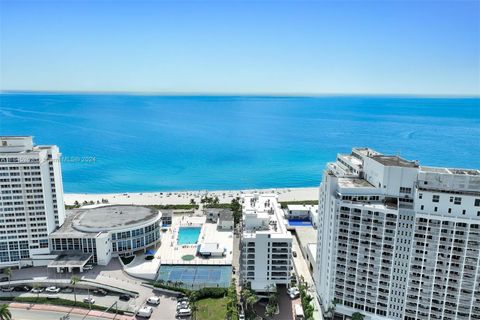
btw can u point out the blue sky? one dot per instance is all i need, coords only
(280, 47)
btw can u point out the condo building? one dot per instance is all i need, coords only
(31, 202)
(397, 240)
(266, 245)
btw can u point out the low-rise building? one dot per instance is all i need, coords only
(106, 232)
(167, 216)
(225, 221)
(213, 214)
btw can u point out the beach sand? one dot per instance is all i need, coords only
(184, 197)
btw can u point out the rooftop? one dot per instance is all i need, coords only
(394, 161)
(354, 183)
(113, 217)
(226, 215)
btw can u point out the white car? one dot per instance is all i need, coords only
(184, 312)
(182, 305)
(154, 300)
(89, 300)
(52, 289)
(145, 312)
(293, 292)
(37, 290)
(88, 267)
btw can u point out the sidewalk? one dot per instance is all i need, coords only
(69, 310)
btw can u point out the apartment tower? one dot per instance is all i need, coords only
(397, 240)
(266, 245)
(31, 203)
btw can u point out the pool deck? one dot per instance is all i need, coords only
(171, 253)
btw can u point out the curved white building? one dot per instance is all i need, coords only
(106, 232)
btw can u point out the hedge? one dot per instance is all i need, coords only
(201, 294)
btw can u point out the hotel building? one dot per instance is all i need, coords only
(397, 240)
(31, 200)
(266, 245)
(96, 235)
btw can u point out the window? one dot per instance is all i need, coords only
(435, 198)
(464, 211)
(457, 200)
(449, 210)
(420, 195)
(421, 207)
(477, 202)
(435, 209)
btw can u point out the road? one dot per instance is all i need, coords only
(21, 314)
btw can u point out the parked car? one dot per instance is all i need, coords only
(88, 267)
(52, 296)
(154, 300)
(294, 253)
(293, 292)
(52, 289)
(145, 312)
(67, 290)
(124, 297)
(100, 292)
(89, 300)
(37, 290)
(182, 305)
(22, 288)
(184, 312)
(7, 289)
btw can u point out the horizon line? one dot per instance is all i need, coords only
(240, 94)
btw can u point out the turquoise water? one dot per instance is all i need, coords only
(188, 235)
(158, 143)
(196, 277)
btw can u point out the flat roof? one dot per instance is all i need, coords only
(70, 260)
(112, 217)
(300, 207)
(211, 247)
(394, 161)
(226, 215)
(354, 183)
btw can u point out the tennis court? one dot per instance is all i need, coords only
(196, 277)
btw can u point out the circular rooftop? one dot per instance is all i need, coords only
(114, 217)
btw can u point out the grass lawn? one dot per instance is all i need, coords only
(212, 309)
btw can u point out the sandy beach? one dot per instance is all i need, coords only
(184, 197)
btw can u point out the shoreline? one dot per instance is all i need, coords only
(184, 197)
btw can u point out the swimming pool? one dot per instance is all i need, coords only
(188, 235)
(299, 223)
(196, 277)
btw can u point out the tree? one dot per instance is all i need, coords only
(358, 316)
(5, 313)
(73, 282)
(192, 202)
(249, 300)
(237, 210)
(8, 272)
(193, 297)
(37, 286)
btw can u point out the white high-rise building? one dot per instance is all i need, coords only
(266, 254)
(31, 200)
(397, 240)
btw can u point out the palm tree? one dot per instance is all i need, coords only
(5, 313)
(37, 287)
(357, 316)
(73, 282)
(8, 272)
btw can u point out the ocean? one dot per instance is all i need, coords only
(136, 143)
